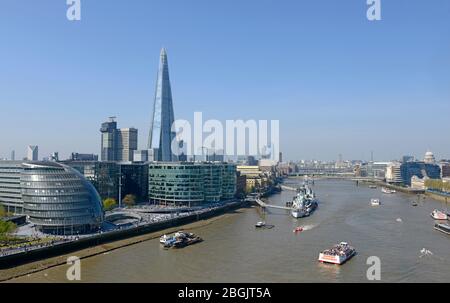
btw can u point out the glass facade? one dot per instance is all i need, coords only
(103, 175)
(160, 135)
(191, 183)
(10, 190)
(58, 199)
(419, 169)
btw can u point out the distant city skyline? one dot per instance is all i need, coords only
(337, 83)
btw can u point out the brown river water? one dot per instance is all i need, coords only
(235, 251)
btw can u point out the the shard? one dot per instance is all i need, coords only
(160, 136)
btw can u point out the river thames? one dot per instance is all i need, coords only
(235, 251)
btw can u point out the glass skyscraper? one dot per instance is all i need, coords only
(161, 136)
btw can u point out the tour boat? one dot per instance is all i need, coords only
(338, 254)
(438, 215)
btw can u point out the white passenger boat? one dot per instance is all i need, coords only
(438, 215)
(338, 254)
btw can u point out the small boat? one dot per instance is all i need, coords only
(388, 190)
(179, 239)
(442, 227)
(375, 202)
(438, 215)
(373, 186)
(260, 224)
(338, 254)
(298, 229)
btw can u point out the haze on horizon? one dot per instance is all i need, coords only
(338, 83)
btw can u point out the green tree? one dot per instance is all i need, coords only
(129, 200)
(109, 204)
(7, 227)
(2, 211)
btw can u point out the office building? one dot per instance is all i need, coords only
(140, 156)
(445, 169)
(55, 198)
(58, 199)
(10, 190)
(117, 144)
(104, 175)
(83, 157)
(191, 183)
(420, 170)
(134, 180)
(109, 140)
(32, 153)
(393, 173)
(127, 143)
(160, 135)
(13, 155)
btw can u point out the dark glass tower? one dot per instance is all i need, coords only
(161, 136)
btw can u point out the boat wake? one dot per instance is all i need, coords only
(308, 227)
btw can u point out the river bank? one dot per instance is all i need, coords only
(47, 263)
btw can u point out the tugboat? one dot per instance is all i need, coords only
(443, 227)
(438, 215)
(338, 254)
(375, 202)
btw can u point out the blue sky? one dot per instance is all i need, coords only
(338, 83)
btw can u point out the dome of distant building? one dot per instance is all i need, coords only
(58, 199)
(429, 157)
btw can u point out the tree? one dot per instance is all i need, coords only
(109, 204)
(2, 211)
(7, 227)
(129, 200)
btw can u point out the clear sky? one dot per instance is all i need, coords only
(338, 83)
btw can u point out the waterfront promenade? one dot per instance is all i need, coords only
(151, 223)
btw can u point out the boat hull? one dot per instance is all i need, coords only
(334, 259)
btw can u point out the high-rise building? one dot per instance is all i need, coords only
(161, 136)
(127, 139)
(32, 152)
(13, 155)
(109, 140)
(140, 156)
(117, 144)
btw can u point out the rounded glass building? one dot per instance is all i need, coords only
(191, 183)
(59, 200)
